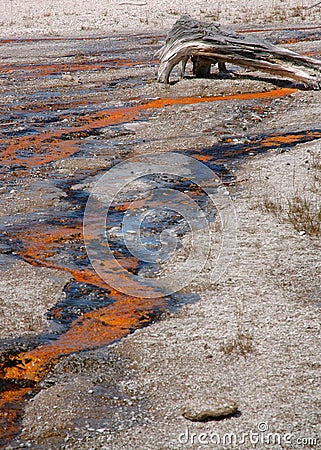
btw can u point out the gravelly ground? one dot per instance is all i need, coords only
(70, 17)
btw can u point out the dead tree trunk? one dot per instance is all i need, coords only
(208, 43)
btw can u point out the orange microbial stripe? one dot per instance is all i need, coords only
(298, 39)
(42, 70)
(288, 139)
(314, 53)
(203, 158)
(49, 69)
(265, 30)
(89, 331)
(275, 93)
(51, 146)
(278, 140)
(219, 153)
(55, 145)
(43, 148)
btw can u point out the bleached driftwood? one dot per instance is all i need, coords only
(208, 43)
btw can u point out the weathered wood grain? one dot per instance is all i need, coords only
(208, 43)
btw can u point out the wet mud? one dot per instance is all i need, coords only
(55, 118)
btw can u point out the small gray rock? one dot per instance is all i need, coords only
(215, 409)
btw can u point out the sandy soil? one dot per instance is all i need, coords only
(22, 307)
(253, 336)
(71, 17)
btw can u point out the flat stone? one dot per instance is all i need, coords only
(215, 409)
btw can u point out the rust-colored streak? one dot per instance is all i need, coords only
(218, 154)
(290, 41)
(275, 93)
(203, 158)
(312, 53)
(122, 207)
(90, 331)
(298, 39)
(40, 149)
(55, 145)
(277, 141)
(42, 70)
(265, 30)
